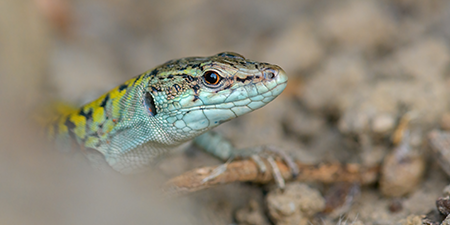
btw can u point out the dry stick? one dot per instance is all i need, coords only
(247, 170)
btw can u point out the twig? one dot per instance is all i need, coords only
(247, 170)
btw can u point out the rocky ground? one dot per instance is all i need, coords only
(366, 78)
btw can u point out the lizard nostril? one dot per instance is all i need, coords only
(269, 74)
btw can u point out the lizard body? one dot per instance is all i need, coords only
(134, 123)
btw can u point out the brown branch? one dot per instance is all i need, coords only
(247, 170)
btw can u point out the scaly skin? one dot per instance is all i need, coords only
(148, 115)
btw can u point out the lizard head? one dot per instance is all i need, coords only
(192, 95)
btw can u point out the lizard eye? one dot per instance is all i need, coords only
(211, 78)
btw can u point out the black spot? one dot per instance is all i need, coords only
(87, 115)
(70, 126)
(154, 72)
(122, 87)
(155, 89)
(182, 68)
(195, 99)
(188, 78)
(95, 134)
(170, 76)
(177, 87)
(197, 65)
(105, 100)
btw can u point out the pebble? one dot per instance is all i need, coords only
(443, 205)
(446, 221)
(401, 172)
(295, 205)
(383, 123)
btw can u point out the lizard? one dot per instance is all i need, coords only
(162, 108)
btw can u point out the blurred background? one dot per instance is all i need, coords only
(355, 68)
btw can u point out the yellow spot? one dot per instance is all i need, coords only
(99, 115)
(116, 101)
(80, 125)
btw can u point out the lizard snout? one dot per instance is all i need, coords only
(274, 73)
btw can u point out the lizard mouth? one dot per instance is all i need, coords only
(253, 100)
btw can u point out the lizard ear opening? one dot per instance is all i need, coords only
(150, 104)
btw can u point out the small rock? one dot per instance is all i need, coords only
(443, 205)
(433, 218)
(440, 148)
(399, 179)
(395, 206)
(446, 221)
(412, 220)
(383, 123)
(295, 205)
(402, 171)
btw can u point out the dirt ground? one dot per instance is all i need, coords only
(368, 80)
